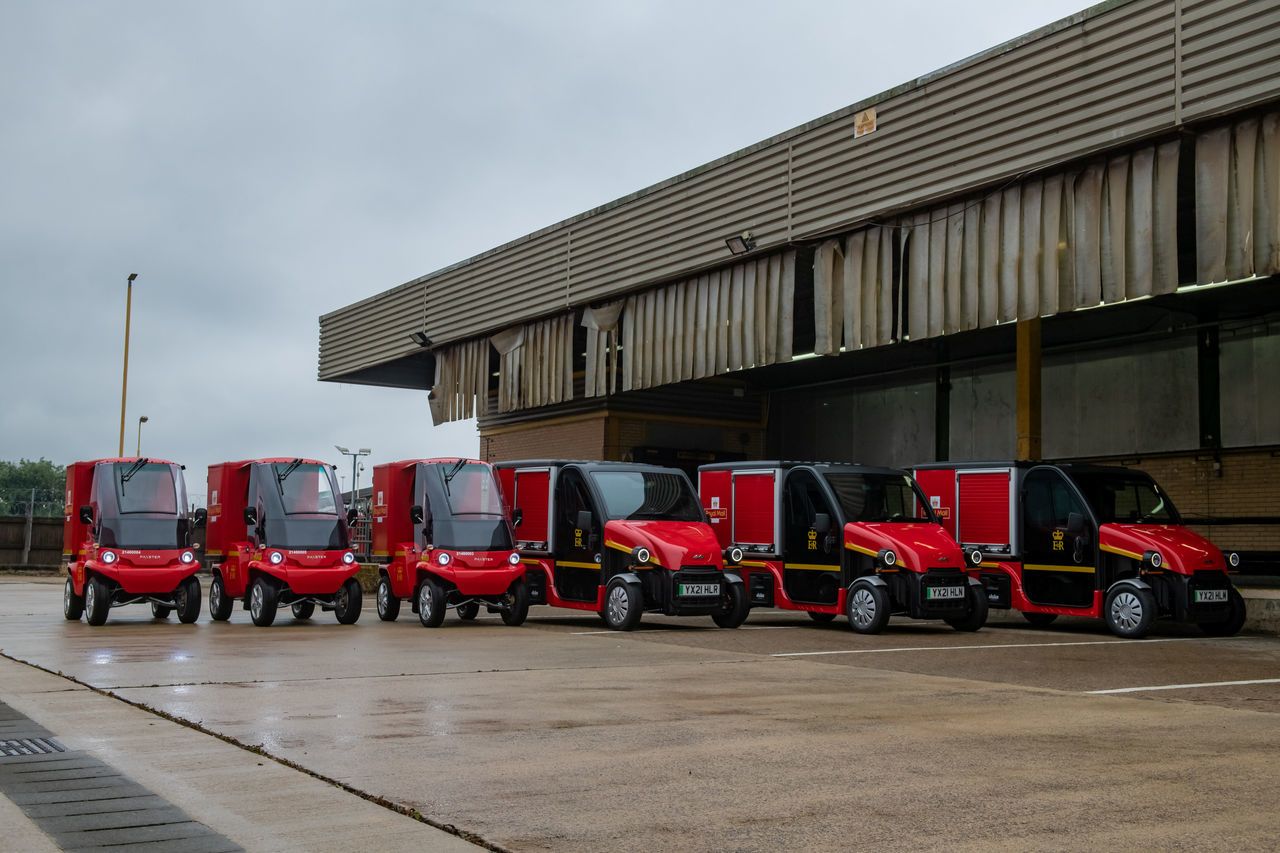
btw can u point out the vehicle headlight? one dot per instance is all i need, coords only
(348, 558)
(107, 557)
(975, 557)
(443, 559)
(187, 557)
(276, 558)
(734, 555)
(1233, 560)
(1153, 559)
(640, 555)
(514, 559)
(889, 558)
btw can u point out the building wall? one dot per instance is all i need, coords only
(626, 432)
(563, 439)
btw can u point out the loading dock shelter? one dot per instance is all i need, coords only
(1066, 247)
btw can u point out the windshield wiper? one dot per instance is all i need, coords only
(281, 476)
(133, 469)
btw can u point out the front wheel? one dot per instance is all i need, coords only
(262, 603)
(304, 610)
(736, 608)
(347, 603)
(187, 599)
(517, 609)
(160, 611)
(467, 612)
(622, 606)
(72, 604)
(388, 601)
(977, 615)
(867, 608)
(431, 605)
(1129, 611)
(1230, 626)
(219, 603)
(97, 601)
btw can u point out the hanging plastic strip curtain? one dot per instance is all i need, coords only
(1238, 200)
(461, 388)
(535, 364)
(1098, 235)
(604, 348)
(725, 320)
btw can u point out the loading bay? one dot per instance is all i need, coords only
(562, 735)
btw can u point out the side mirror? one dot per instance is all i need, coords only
(415, 514)
(353, 515)
(1075, 523)
(583, 521)
(86, 514)
(251, 516)
(201, 518)
(822, 523)
(517, 516)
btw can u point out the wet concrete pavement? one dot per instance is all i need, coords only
(560, 735)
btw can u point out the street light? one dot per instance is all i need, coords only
(355, 457)
(142, 420)
(124, 382)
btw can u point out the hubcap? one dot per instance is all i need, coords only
(864, 607)
(383, 597)
(1126, 610)
(341, 601)
(66, 598)
(255, 600)
(180, 597)
(90, 597)
(618, 604)
(215, 596)
(426, 601)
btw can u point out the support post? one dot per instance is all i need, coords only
(1028, 390)
(26, 542)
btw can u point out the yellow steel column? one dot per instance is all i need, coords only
(1028, 384)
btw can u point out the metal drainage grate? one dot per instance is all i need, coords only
(29, 746)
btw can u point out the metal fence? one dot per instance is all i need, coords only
(40, 503)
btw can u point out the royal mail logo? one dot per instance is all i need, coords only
(717, 513)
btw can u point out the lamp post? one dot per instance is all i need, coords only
(142, 420)
(124, 382)
(355, 458)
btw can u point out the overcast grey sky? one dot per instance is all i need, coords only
(261, 163)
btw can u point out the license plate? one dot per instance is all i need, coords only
(1211, 596)
(935, 593)
(698, 589)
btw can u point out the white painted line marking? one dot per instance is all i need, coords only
(1136, 643)
(769, 628)
(642, 631)
(1185, 686)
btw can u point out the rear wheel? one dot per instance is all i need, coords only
(467, 612)
(388, 602)
(347, 603)
(160, 611)
(517, 602)
(1230, 626)
(622, 606)
(1040, 620)
(187, 600)
(219, 604)
(821, 618)
(262, 603)
(736, 608)
(867, 608)
(430, 604)
(97, 601)
(977, 615)
(303, 610)
(1129, 611)
(72, 604)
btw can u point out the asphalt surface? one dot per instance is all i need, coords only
(560, 735)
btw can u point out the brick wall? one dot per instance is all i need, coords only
(628, 432)
(579, 439)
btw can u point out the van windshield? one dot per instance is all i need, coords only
(305, 488)
(149, 508)
(639, 495)
(879, 497)
(1121, 497)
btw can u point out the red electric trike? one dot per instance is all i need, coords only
(833, 538)
(619, 539)
(279, 527)
(127, 540)
(1083, 540)
(444, 542)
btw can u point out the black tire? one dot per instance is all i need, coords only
(97, 602)
(467, 612)
(304, 610)
(1040, 620)
(388, 603)
(187, 600)
(867, 608)
(431, 604)
(220, 604)
(517, 609)
(72, 604)
(978, 610)
(622, 605)
(822, 618)
(1129, 611)
(1230, 626)
(160, 611)
(736, 607)
(263, 602)
(348, 601)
